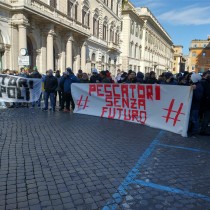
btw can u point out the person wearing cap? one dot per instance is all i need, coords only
(95, 78)
(140, 77)
(205, 104)
(67, 79)
(197, 87)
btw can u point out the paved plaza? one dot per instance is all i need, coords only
(55, 161)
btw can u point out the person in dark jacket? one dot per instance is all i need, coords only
(152, 78)
(58, 89)
(67, 79)
(169, 79)
(195, 106)
(140, 77)
(123, 77)
(85, 78)
(205, 105)
(104, 78)
(95, 78)
(50, 85)
(131, 78)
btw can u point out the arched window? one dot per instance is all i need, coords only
(131, 49)
(132, 27)
(93, 61)
(135, 51)
(112, 32)
(111, 4)
(102, 62)
(85, 13)
(96, 23)
(69, 8)
(93, 58)
(137, 30)
(105, 26)
(140, 52)
(102, 59)
(115, 62)
(109, 64)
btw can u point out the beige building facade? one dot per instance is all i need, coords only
(131, 36)
(199, 55)
(103, 46)
(146, 45)
(177, 58)
(60, 34)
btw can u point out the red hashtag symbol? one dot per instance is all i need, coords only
(80, 102)
(170, 110)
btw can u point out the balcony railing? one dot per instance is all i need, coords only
(113, 46)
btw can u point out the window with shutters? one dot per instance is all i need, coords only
(86, 13)
(96, 23)
(75, 11)
(111, 4)
(95, 27)
(83, 17)
(104, 31)
(70, 7)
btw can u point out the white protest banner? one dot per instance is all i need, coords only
(19, 89)
(165, 107)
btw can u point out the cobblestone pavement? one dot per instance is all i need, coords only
(68, 161)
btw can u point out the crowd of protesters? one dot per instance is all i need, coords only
(60, 86)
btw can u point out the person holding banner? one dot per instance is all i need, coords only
(195, 106)
(205, 104)
(50, 85)
(35, 74)
(67, 79)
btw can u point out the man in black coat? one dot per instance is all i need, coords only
(50, 85)
(205, 105)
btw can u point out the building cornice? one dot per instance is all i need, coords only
(38, 13)
(154, 22)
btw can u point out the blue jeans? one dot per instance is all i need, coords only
(194, 119)
(38, 102)
(52, 99)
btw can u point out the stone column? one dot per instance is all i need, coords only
(43, 67)
(22, 36)
(50, 59)
(69, 53)
(83, 57)
(143, 46)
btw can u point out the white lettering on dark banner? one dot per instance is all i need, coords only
(19, 89)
